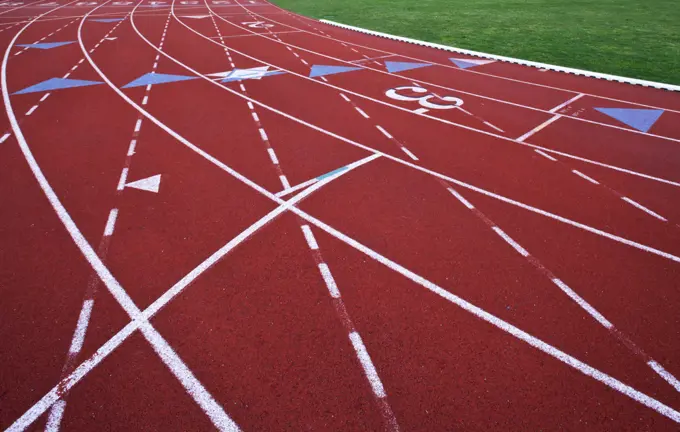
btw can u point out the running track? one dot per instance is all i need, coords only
(219, 214)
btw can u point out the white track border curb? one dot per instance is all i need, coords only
(573, 71)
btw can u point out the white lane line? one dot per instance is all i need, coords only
(643, 208)
(138, 125)
(584, 304)
(297, 187)
(255, 117)
(131, 149)
(243, 88)
(309, 236)
(250, 105)
(545, 155)
(367, 364)
(590, 179)
(560, 106)
(384, 132)
(284, 182)
(4, 137)
(538, 128)
(408, 153)
(45, 96)
(510, 241)
(344, 97)
(111, 222)
(272, 156)
(30, 111)
(81, 328)
(54, 418)
(263, 135)
(305, 62)
(148, 87)
(361, 112)
(665, 374)
(323, 78)
(465, 202)
(145, 100)
(494, 127)
(123, 178)
(330, 282)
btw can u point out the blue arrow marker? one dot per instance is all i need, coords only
(57, 84)
(640, 119)
(157, 78)
(46, 45)
(403, 66)
(322, 70)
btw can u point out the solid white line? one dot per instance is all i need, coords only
(580, 174)
(54, 419)
(560, 106)
(330, 282)
(309, 236)
(45, 96)
(643, 208)
(584, 304)
(138, 125)
(380, 128)
(367, 365)
(81, 328)
(538, 128)
(255, 117)
(284, 182)
(4, 137)
(665, 374)
(511, 242)
(545, 155)
(123, 178)
(131, 149)
(408, 152)
(465, 202)
(361, 112)
(344, 97)
(272, 156)
(263, 135)
(111, 222)
(30, 111)
(296, 187)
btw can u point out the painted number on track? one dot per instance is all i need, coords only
(424, 98)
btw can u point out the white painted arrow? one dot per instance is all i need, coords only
(149, 184)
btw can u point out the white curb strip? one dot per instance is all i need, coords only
(510, 59)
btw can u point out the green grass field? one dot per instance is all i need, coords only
(634, 38)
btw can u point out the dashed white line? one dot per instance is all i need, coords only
(263, 135)
(4, 137)
(387, 134)
(111, 222)
(409, 154)
(305, 62)
(361, 112)
(309, 236)
(123, 178)
(538, 128)
(545, 155)
(330, 282)
(643, 208)
(138, 125)
(250, 105)
(131, 149)
(584, 304)
(272, 156)
(81, 327)
(284, 182)
(510, 241)
(344, 97)
(243, 88)
(54, 419)
(580, 174)
(255, 117)
(148, 87)
(30, 111)
(465, 202)
(145, 100)
(367, 364)
(665, 374)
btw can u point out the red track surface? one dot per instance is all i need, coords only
(448, 276)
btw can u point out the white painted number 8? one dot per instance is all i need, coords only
(424, 99)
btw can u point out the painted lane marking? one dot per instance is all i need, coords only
(138, 125)
(460, 198)
(408, 153)
(309, 236)
(332, 173)
(384, 132)
(644, 209)
(330, 282)
(510, 241)
(123, 178)
(255, 117)
(538, 128)
(81, 328)
(367, 365)
(363, 114)
(545, 155)
(272, 156)
(665, 374)
(111, 222)
(284, 182)
(297, 187)
(145, 100)
(54, 419)
(131, 149)
(584, 304)
(560, 106)
(263, 135)
(250, 105)
(590, 179)
(4, 137)
(45, 96)
(344, 97)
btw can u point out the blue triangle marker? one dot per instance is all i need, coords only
(403, 66)
(640, 119)
(322, 70)
(56, 84)
(157, 78)
(463, 64)
(46, 45)
(106, 20)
